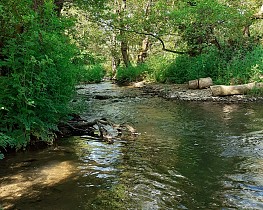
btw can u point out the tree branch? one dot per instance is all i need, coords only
(152, 35)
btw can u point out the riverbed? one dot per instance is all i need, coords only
(188, 155)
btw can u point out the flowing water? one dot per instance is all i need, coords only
(188, 156)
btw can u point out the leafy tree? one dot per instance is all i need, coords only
(38, 76)
(194, 28)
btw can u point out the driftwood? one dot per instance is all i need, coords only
(139, 84)
(200, 83)
(225, 90)
(101, 129)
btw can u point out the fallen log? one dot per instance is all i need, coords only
(193, 84)
(139, 84)
(200, 83)
(227, 90)
(102, 129)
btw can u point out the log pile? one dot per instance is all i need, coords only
(200, 83)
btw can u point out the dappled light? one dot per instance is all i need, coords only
(29, 177)
(46, 176)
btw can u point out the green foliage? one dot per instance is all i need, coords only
(246, 66)
(156, 68)
(208, 23)
(91, 73)
(131, 73)
(206, 30)
(185, 68)
(87, 35)
(39, 65)
(91, 70)
(257, 92)
(241, 67)
(6, 141)
(39, 79)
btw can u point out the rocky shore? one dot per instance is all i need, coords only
(183, 93)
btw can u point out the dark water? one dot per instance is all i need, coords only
(188, 156)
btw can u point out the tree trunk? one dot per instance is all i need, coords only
(143, 53)
(115, 63)
(124, 52)
(115, 60)
(124, 42)
(200, 83)
(246, 31)
(59, 5)
(145, 43)
(224, 90)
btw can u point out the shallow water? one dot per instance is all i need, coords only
(188, 156)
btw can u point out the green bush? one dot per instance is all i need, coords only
(177, 72)
(257, 92)
(131, 73)
(239, 66)
(185, 67)
(91, 73)
(246, 66)
(40, 79)
(156, 68)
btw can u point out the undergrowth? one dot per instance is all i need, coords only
(240, 67)
(224, 67)
(131, 73)
(91, 73)
(38, 79)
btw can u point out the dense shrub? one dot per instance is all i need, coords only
(238, 66)
(91, 73)
(39, 80)
(157, 68)
(131, 73)
(246, 66)
(185, 67)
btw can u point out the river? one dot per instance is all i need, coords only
(189, 155)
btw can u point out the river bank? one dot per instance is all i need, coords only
(183, 93)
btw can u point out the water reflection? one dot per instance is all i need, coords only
(202, 148)
(97, 161)
(188, 156)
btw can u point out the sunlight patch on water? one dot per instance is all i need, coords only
(30, 181)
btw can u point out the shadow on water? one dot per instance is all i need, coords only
(188, 156)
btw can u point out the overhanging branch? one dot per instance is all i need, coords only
(153, 35)
(147, 34)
